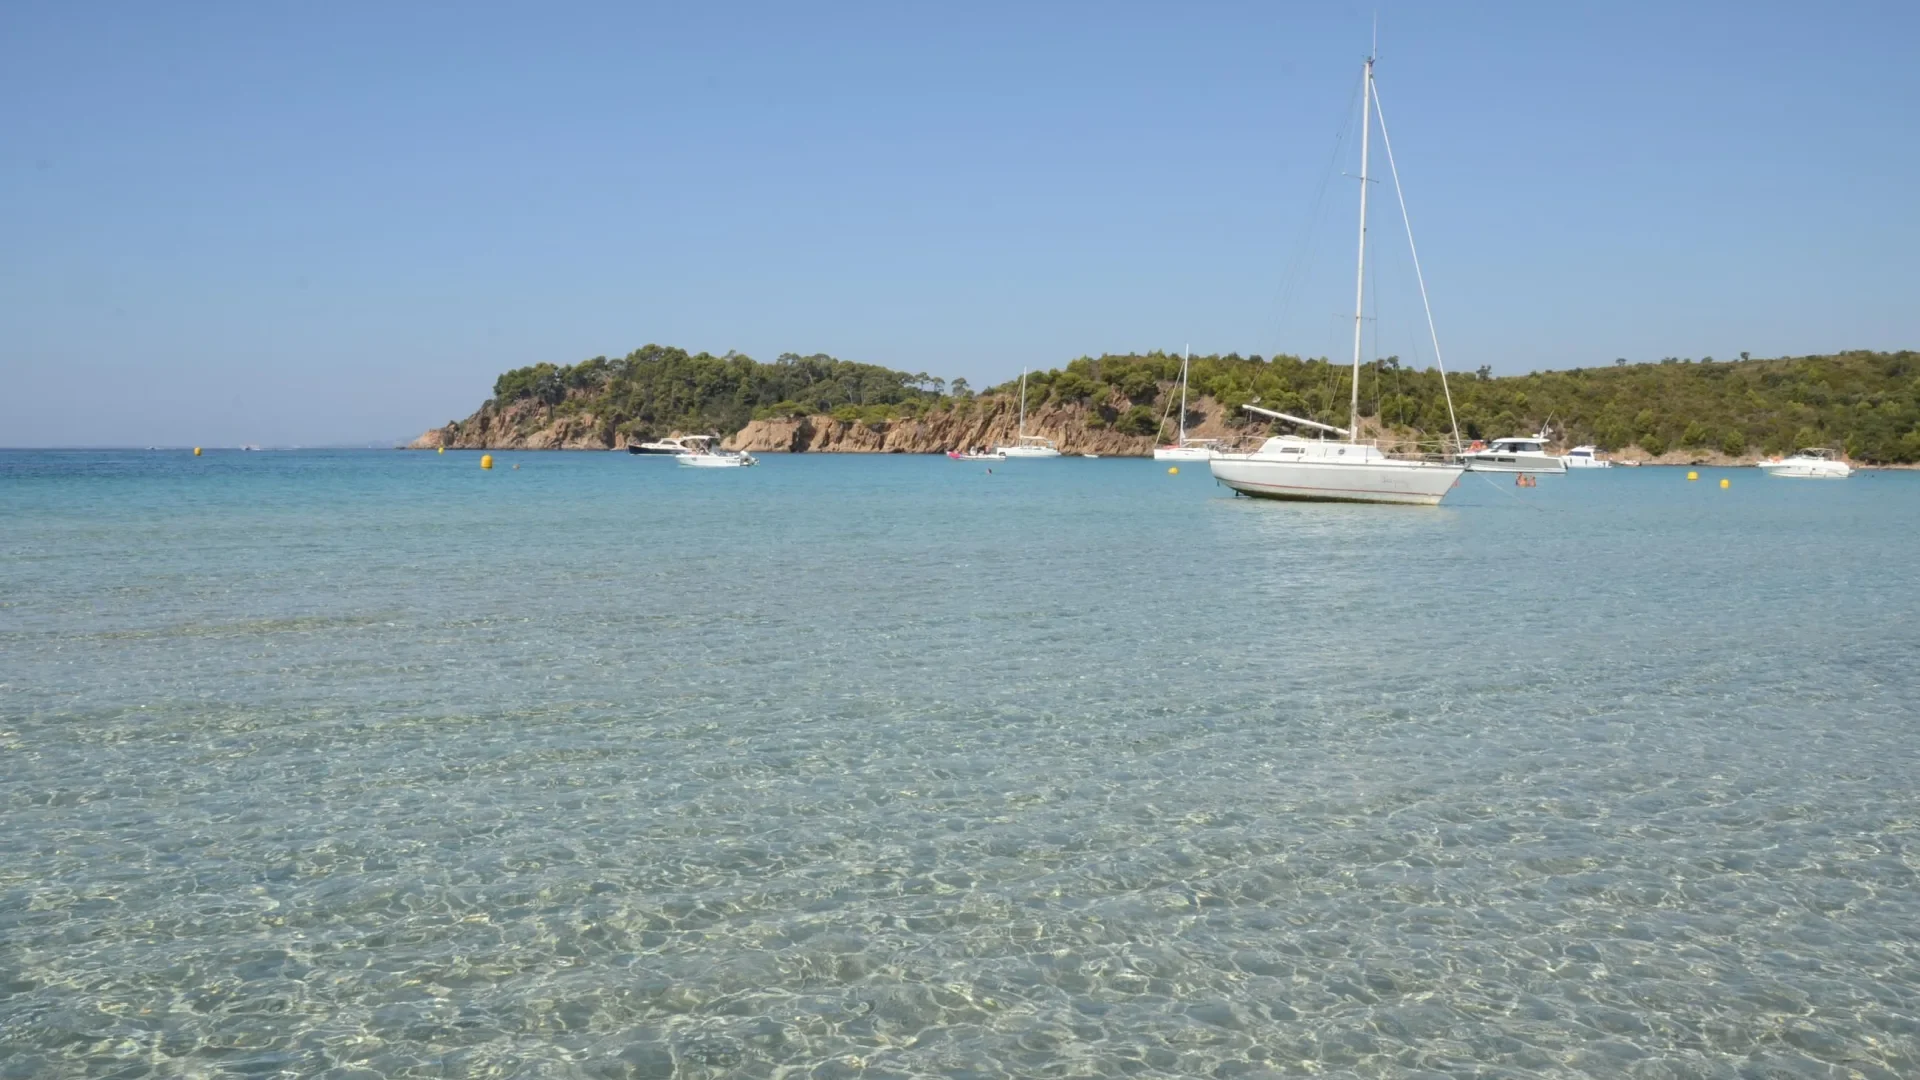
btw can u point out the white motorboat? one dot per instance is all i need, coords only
(1514, 456)
(669, 447)
(1025, 445)
(1290, 467)
(1183, 448)
(1811, 464)
(700, 453)
(1585, 457)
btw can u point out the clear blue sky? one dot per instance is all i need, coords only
(286, 223)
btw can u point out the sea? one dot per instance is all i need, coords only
(379, 764)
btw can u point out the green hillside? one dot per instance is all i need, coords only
(1868, 403)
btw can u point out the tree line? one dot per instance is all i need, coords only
(1867, 403)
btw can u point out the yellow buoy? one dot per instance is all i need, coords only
(196, 451)
(1173, 470)
(439, 449)
(486, 461)
(1693, 476)
(1725, 483)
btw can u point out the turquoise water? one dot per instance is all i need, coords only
(373, 764)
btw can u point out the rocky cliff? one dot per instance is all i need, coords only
(971, 424)
(975, 424)
(521, 426)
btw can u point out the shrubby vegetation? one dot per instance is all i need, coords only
(1868, 403)
(656, 390)
(1865, 402)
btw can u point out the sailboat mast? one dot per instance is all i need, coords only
(1360, 274)
(1186, 357)
(1023, 403)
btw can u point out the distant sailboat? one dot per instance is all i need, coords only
(1290, 467)
(1025, 445)
(1183, 448)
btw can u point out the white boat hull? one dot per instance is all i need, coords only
(714, 461)
(1182, 453)
(1028, 451)
(1506, 461)
(1587, 463)
(1807, 470)
(1321, 480)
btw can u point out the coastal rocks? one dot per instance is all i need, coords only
(523, 426)
(973, 424)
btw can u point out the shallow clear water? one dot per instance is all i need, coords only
(364, 764)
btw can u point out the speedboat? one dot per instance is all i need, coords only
(1810, 464)
(1585, 457)
(1514, 455)
(1025, 445)
(700, 453)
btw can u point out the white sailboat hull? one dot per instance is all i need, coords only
(1027, 451)
(1318, 479)
(1182, 453)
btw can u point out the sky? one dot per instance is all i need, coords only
(284, 224)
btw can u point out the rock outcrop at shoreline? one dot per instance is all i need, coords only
(977, 424)
(518, 427)
(970, 424)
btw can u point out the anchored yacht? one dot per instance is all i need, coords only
(678, 444)
(1183, 448)
(1810, 464)
(1586, 457)
(700, 453)
(1025, 445)
(1515, 455)
(1290, 467)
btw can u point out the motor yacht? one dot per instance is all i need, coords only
(1514, 456)
(1811, 464)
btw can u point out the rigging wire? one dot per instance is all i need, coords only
(1386, 141)
(1291, 276)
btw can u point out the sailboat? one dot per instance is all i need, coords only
(1183, 448)
(1026, 445)
(1291, 467)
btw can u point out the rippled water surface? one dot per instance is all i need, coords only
(373, 764)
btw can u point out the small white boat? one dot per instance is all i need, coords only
(1183, 448)
(1025, 445)
(976, 455)
(1585, 457)
(1810, 464)
(700, 453)
(1089, 455)
(1514, 455)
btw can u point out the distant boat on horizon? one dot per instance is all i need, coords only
(1025, 445)
(1183, 448)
